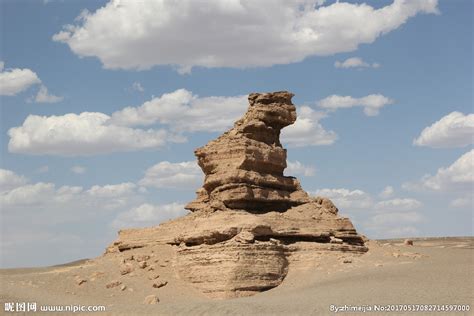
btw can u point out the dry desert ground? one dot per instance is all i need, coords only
(432, 271)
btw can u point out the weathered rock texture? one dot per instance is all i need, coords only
(244, 167)
(249, 222)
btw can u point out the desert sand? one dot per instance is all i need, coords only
(432, 271)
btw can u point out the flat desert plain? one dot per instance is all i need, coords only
(432, 271)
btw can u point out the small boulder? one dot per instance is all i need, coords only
(126, 268)
(142, 264)
(153, 276)
(160, 284)
(151, 299)
(80, 281)
(112, 284)
(408, 242)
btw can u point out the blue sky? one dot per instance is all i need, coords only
(366, 88)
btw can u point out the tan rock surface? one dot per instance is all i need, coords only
(249, 223)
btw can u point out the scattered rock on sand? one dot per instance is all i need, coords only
(80, 281)
(153, 276)
(112, 284)
(408, 242)
(160, 284)
(142, 264)
(126, 268)
(347, 261)
(123, 287)
(151, 299)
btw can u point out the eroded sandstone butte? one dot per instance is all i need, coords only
(249, 223)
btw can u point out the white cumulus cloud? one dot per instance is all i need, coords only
(307, 131)
(355, 62)
(87, 133)
(453, 130)
(49, 197)
(347, 199)
(393, 225)
(27, 194)
(386, 192)
(10, 180)
(43, 96)
(167, 174)
(183, 111)
(397, 217)
(148, 215)
(14, 81)
(455, 181)
(371, 103)
(137, 86)
(127, 34)
(297, 168)
(112, 190)
(400, 204)
(380, 220)
(459, 176)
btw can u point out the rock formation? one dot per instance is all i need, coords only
(249, 222)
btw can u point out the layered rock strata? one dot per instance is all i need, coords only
(244, 167)
(249, 222)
